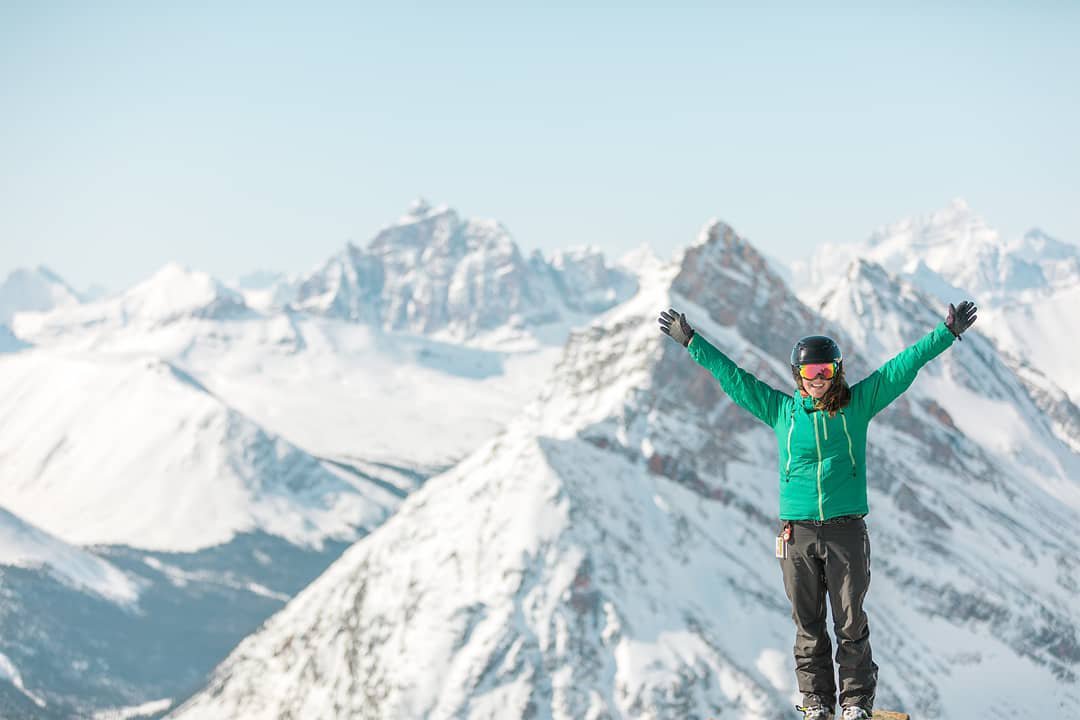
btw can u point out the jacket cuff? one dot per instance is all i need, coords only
(943, 337)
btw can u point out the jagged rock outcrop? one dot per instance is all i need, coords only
(433, 272)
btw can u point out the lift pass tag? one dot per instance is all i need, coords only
(781, 547)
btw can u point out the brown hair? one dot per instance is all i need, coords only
(836, 397)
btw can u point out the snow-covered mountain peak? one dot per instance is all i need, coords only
(879, 312)
(171, 294)
(947, 237)
(718, 241)
(34, 290)
(418, 208)
(1037, 246)
(735, 284)
(861, 267)
(429, 234)
(176, 290)
(882, 312)
(618, 381)
(952, 250)
(1026, 287)
(959, 205)
(133, 450)
(435, 274)
(956, 215)
(421, 226)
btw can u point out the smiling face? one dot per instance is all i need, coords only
(817, 387)
(815, 379)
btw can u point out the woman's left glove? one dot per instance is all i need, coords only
(673, 324)
(961, 317)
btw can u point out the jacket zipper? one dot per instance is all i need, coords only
(791, 427)
(851, 454)
(817, 443)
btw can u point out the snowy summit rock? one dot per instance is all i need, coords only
(432, 272)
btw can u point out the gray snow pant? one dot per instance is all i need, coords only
(831, 558)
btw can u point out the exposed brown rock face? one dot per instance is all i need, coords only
(734, 283)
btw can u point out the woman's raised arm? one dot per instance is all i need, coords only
(759, 399)
(873, 394)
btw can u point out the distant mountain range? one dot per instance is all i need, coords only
(436, 274)
(1027, 288)
(954, 249)
(552, 511)
(177, 431)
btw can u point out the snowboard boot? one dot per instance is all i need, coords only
(815, 712)
(854, 712)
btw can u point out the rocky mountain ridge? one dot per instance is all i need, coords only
(433, 272)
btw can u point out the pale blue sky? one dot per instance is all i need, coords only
(265, 135)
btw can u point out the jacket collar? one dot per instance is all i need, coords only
(806, 403)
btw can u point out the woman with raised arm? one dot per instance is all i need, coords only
(823, 545)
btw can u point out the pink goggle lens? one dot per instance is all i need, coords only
(813, 370)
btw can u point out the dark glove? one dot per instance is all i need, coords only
(673, 324)
(961, 317)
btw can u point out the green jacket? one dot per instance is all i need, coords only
(822, 459)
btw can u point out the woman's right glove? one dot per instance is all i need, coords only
(674, 325)
(961, 317)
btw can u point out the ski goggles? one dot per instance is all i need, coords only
(828, 370)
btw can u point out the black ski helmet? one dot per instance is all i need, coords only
(816, 349)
